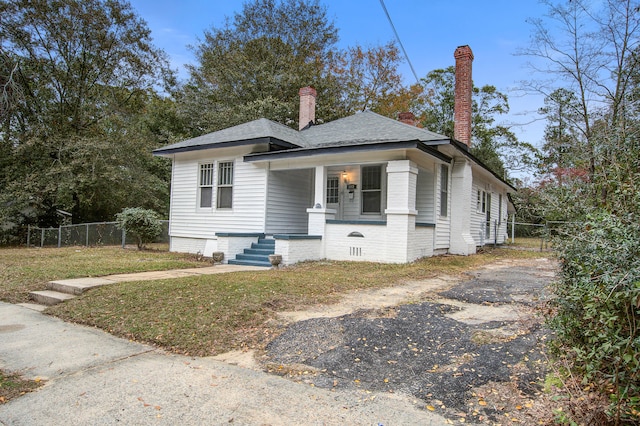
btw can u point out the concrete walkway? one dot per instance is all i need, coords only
(61, 290)
(91, 377)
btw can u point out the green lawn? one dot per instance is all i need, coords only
(530, 243)
(207, 315)
(26, 269)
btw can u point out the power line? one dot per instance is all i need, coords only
(399, 41)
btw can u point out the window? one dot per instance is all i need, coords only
(332, 189)
(488, 207)
(444, 189)
(481, 203)
(206, 184)
(371, 189)
(225, 185)
(484, 201)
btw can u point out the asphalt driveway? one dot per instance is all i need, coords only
(447, 348)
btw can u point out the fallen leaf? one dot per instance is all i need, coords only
(482, 402)
(431, 408)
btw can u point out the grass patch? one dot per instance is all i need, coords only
(12, 386)
(27, 269)
(530, 243)
(207, 315)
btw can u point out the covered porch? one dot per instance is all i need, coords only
(384, 211)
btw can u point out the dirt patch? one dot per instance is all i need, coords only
(373, 299)
(441, 341)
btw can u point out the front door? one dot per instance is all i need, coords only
(333, 192)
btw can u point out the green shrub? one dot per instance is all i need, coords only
(597, 308)
(143, 224)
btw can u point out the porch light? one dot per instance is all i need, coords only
(345, 176)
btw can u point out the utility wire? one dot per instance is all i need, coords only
(399, 41)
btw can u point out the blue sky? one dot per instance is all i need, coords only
(430, 31)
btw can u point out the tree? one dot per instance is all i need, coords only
(254, 65)
(143, 224)
(591, 53)
(370, 81)
(80, 76)
(561, 149)
(494, 144)
(589, 176)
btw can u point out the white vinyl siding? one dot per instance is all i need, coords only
(290, 194)
(488, 207)
(350, 205)
(247, 215)
(425, 201)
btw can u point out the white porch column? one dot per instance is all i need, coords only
(460, 239)
(402, 176)
(320, 194)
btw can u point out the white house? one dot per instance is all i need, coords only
(364, 187)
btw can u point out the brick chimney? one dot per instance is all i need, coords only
(307, 107)
(464, 89)
(407, 118)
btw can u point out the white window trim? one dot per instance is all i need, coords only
(446, 192)
(481, 203)
(200, 186)
(219, 185)
(382, 191)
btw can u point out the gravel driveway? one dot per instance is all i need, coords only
(471, 350)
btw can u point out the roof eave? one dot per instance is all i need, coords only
(335, 149)
(464, 149)
(227, 144)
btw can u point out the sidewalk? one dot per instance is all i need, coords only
(59, 291)
(91, 377)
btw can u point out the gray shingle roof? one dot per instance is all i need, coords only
(362, 128)
(365, 127)
(246, 132)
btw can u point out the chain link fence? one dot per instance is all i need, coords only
(534, 235)
(86, 234)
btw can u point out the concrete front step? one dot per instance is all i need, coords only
(263, 252)
(254, 257)
(49, 297)
(77, 286)
(266, 264)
